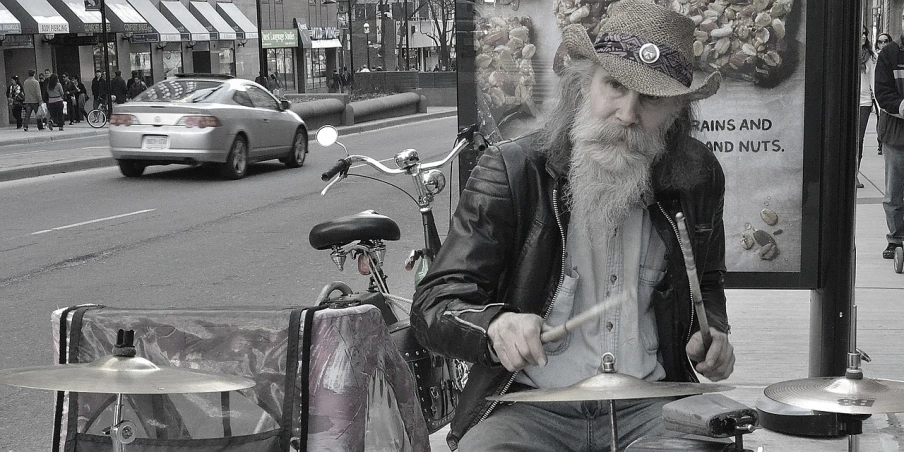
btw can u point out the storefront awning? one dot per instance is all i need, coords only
(164, 31)
(8, 23)
(80, 20)
(304, 33)
(36, 17)
(217, 26)
(243, 27)
(184, 21)
(125, 19)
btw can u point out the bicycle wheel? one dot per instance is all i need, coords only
(97, 118)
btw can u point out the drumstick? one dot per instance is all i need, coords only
(557, 333)
(691, 267)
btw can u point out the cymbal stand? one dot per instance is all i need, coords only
(122, 432)
(609, 367)
(852, 424)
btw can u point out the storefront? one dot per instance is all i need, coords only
(320, 47)
(181, 18)
(281, 58)
(220, 51)
(152, 54)
(39, 24)
(9, 25)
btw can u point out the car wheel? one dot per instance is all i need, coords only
(131, 168)
(237, 162)
(299, 150)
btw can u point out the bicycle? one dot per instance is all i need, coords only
(99, 116)
(439, 380)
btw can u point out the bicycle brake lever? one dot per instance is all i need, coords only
(332, 182)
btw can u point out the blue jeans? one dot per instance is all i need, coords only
(894, 192)
(565, 426)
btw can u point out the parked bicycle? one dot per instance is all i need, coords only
(99, 116)
(361, 236)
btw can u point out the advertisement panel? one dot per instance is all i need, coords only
(754, 124)
(275, 39)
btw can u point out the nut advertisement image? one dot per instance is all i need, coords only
(754, 124)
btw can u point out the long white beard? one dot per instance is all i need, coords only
(610, 170)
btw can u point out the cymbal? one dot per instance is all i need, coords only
(611, 386)
(121, 375)
(841, 395)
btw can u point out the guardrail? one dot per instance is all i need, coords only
(331, 109)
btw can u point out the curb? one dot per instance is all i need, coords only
(38, 139)
(45, 169)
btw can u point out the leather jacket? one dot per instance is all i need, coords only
(504, 252)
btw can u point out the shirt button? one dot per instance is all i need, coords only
(609, 326)
(613, 278)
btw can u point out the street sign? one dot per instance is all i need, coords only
(92, 5)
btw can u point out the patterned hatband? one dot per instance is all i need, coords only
(657, 57)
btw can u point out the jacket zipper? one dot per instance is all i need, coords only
(555, 208)
(678, 236)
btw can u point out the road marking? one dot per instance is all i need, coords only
(94, 221)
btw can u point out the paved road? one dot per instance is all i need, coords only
(179, 237)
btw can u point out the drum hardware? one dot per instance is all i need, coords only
(611, 386)
(689, 264)
(122, 373)
(853, 397)
(713, 416)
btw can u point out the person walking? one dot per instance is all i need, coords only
(33, 99)
(275, 86)
(867, 71)
(71, 91)
(137, 85)
(42, 81)
(881, 41)
(15, 98)
(346, 79)
(890, 128)
(55, 96)
(119, 89)
(335, 85)
(81, 100)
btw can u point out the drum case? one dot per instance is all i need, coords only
(326, 379)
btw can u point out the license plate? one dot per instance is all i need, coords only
(155, 142)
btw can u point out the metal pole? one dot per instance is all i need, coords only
(103, 24)
(262, 54)
(407, 39)
(831, 302)
(351, 49)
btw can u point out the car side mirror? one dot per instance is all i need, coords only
(284, 104)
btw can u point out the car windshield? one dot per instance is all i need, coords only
(180, 91)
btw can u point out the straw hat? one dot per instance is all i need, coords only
(646, 47)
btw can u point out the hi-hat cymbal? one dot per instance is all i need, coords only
(122, 375)
(611, 386)
(841, 395)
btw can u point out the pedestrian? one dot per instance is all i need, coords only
(335, 82)
(262, 80)
(346, 79)
(15, 98)
(81, 100)
(583, 209)
(137, 87)
(130, 81)
(71, 90)
(45, 116)
(867, 69)
(275, 86)
(119, 89)
(33, 99)
(436, 68)
(890, 130)
(881, 41)
(97, 84)
(55, 96)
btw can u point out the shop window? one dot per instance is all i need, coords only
(141, 62)
(98, 54)
(282, 63)
(172, 63)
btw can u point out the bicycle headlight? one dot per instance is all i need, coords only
(434, 181)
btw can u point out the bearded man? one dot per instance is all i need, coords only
(553, 223)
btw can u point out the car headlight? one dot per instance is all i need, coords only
(199, 121)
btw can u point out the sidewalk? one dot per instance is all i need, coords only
(770, 329)
(30, 161)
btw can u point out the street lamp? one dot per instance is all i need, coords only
(367, 35)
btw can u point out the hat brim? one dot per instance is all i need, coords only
(634, 75)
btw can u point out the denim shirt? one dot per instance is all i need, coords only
(629, 259)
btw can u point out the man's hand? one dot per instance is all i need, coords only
(717, 363)
(516, 340)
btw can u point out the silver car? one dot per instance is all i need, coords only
(191, 119)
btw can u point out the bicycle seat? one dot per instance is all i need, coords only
(367, 225)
